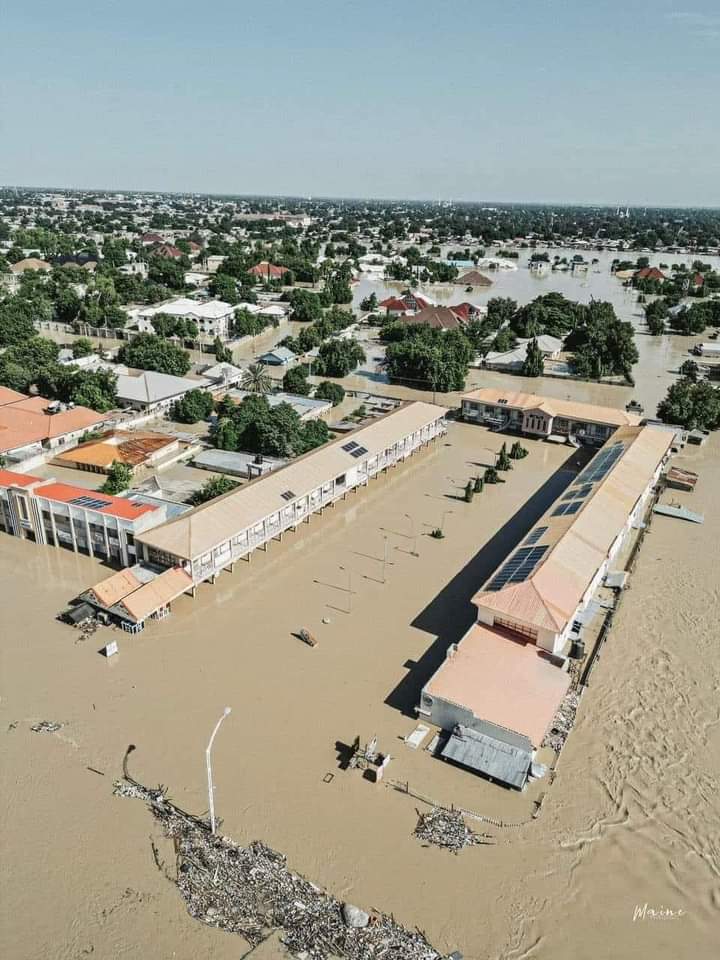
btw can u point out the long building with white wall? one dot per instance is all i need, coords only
(212, 537)
(502, 683)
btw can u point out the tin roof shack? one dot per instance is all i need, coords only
(134, 449)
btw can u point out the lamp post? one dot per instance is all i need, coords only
(348, 571)
(442, 521)
(211, 788)
(413, 534)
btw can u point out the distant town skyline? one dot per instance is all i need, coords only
(546, 103)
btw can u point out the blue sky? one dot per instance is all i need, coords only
(612, 101)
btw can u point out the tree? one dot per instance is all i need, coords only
(500, 310)
(429, 359)
(296, 381)
(695, 406)
(150, 352)
(16, 321)
(314, 434)
(306, 306)
(82, 347)
(67, 305)
(503, 460)
(194, 406)
(225, 435)
(337, 358)
(212, 488)
(469, 491)
(602, 344)
(534, 363)
(118, 478)
(222, 353)
(690, 369)
(170, 273)
(256, 379)
(224, 287)
(248, 324)
(327, 390)
(370, 302)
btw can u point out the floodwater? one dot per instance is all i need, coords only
(659, 356)
(631, 819)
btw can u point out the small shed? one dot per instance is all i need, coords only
(487, 755)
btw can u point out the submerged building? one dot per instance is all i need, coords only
(500, 686)
(212, 537)
(539, 416)
(82, 520)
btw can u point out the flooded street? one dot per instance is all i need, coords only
(632, 816)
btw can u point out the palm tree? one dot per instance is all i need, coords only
(256, 379)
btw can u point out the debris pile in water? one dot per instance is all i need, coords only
(562, 722)
(250, 891)
(447, 828)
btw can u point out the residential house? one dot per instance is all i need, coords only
(213, 317)
(33, 427)
(154, 392)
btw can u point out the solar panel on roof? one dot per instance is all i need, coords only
(288, 495)
(535, 535)
(349, 446)
(361, 451)
(92, 503)
(518, 568)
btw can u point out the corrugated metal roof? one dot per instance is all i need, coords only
(156, 593)
(213, 523)
(488, 756)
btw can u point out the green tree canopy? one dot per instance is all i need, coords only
(695, 406)
(296, 381)
(212, 488)
(118, 478)
(327, 390)
(147, 351)
(194, 406)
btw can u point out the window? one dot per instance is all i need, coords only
(514, 627)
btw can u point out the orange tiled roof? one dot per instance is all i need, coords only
(26, 421)
(116, 506)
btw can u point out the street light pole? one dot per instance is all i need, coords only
(413, 534)
(348, 571)
(211, 788)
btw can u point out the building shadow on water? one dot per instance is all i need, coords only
(451, 613)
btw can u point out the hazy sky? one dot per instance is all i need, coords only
(613, 101)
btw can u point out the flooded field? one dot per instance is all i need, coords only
(632, 817)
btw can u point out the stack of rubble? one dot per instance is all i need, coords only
(563, 721)
(251, 892)
(447, 828)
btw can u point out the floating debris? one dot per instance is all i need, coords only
(250, 891)
(447, 828)
(562, 722)
(46, 726)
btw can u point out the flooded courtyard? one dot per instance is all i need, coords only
(631, 818)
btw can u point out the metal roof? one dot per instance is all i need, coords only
(215, 522)
(578, 543)
(489, 756)
(571, 409)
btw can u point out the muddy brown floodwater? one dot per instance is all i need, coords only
(631, 819)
